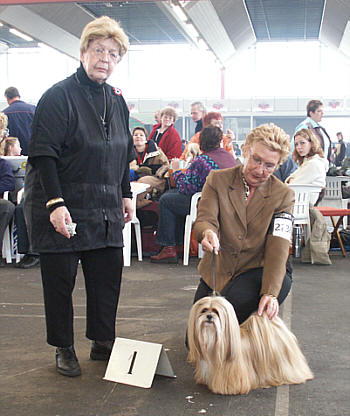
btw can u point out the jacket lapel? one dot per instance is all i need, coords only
(238, 203)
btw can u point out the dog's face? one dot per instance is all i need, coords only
(211, 324)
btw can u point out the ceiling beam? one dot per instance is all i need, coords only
(41, 29)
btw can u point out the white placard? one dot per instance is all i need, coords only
(136, 362)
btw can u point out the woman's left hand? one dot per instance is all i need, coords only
(270, 305)
(127, 209)
(230, 135)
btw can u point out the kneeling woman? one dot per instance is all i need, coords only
(175, 204)
(245, 217)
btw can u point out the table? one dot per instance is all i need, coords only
(335, 212)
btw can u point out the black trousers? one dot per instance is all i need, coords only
(102, 270)
(243, 292)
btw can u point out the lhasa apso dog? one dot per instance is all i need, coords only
(233, 359)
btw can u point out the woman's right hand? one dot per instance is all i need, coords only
(58, 219)
(210, 242)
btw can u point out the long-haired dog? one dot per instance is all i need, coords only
(233, 359)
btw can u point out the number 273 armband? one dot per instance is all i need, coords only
(282, 225)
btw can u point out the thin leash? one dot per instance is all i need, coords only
(215, 293)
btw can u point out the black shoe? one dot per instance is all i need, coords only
(28, 261)
(67, 362)
(101, 351)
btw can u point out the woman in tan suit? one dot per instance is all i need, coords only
(245, 217)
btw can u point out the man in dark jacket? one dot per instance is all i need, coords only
(314, 111)
(341, 150)
(7, 183)
(20, 116)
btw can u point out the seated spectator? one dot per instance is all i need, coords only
(341, 150)
(175, 204)
(309, 155)
(286, 169)
(7, 183)
(212, 119)
(4, 132)
(149, 166)
(165, 135)
(11, 147)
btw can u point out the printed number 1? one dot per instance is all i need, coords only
(132, 362)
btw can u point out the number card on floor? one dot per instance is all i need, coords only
(136, 362)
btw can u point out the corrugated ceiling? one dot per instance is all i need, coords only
(276, 20)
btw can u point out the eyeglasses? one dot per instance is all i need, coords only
(101, 53)
(267, 167)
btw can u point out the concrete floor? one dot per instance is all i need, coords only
(154, 307)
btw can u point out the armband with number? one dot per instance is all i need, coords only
(282, 225)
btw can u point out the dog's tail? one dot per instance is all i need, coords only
(275, 352)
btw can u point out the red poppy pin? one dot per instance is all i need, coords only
(117, 91)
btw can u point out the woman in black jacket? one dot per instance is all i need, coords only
(78, 172)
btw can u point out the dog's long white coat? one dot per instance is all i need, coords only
(233, 359)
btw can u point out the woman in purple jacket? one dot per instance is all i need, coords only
(175, 204)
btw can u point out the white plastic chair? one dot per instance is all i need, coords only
(190, 219)
(9, 246)
(6, 243)
(333, 195)
(136, 188)
(301, 205)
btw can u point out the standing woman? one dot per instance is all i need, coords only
(78, 172)
(165, 135)
(313, 166)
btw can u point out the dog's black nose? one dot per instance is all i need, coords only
(209, 317)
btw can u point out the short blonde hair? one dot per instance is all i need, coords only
(3, 121)
(104, 28)
(169, 111)
(272, 136)
(315, 149)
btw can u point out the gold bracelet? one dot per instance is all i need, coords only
(53, 201)
(271, 296)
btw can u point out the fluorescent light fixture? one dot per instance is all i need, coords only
(21, 35)
(192, 30)
(344, 45)
(179, 13)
